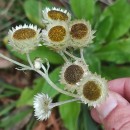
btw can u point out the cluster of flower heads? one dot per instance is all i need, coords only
(60, 33)
(90, 88)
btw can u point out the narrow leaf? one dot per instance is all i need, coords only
(13, 119)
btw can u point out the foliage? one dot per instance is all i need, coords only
(42, 52)
(86, 122)
(35, 14)
(27, 94)
(69, 113)
(83, 9)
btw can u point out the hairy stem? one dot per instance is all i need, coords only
(70, 55)
(63, 56)
(82, 55)
(54, 86)
(41, 73)
(63, 102)
(13, 61)
(29, 60)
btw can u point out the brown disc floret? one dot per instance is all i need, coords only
(73, 74)
(24, 33)
(57, 15)
(78, 31)
(91, 90)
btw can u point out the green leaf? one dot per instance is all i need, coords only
(116, 51)
(93, 62)
(31, 124)
(120, 18)
(42, 52)
(98, 12)
(33, 10)
(103, 29)
(69, 113)
(13, 119)
(83, 8)
(85, 120)
(6, 109)
(27, 95)
(54, 76)
(10, 87)
(7, 93)
(113, 72)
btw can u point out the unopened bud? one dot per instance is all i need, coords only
(38, 63)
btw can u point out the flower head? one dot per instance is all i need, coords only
(93, 90)
(54, 14)
(56, 36)
(41, 106)
(72, 74)
(81, 33)
(24, 38)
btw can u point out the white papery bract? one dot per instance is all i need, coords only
(72, 73)
(41, 105)
(93, 90)
(56, 35)
(24, 38)
(54, 14)
(81, 33)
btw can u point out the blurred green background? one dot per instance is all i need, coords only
(107, 56)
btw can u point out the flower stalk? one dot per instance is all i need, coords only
(29, 60)
(52, 105)
(55, 86)
(15, 62)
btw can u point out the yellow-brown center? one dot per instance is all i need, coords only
(57, 33)
(78, 31)
(73, 74)
(91, 91)
(57, 15)
(24, 33)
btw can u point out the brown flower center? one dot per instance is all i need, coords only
(78, 31)
(57, 15)
(73, 74)
(57, 33)
(91, 91)
(24, 33)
